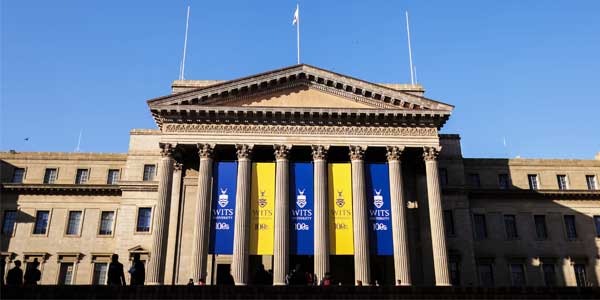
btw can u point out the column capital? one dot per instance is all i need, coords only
(394, 152)
(281, 151)
(243, 151)
(205, 150)
(431, 153)
(319, 152)
(177, 166)
(357, 152)
(167, 149)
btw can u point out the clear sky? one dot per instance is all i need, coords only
(527, 71)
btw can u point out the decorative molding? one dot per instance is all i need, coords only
(281, 151)
(205, 150)
(243, 151)
(394, 153)
(166, 149)
(357, 152)
(61, 189)
(431, 153)
(319, 152)
(258, 129)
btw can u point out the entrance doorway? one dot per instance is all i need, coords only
(342, 269)
(224, 276)
(307, 265)
(382, 269)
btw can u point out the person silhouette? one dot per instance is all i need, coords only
(14, 277)
(32, 274)
(115, 272)
(137, 271)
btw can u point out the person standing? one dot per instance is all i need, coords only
(116, 276)
(14, 277)
(137, 271)
(32, 274)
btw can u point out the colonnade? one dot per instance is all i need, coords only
(321, 233)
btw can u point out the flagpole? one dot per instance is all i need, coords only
(412, 76)
(298, 31)
(182, 66)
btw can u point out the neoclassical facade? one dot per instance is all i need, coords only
(302, 167)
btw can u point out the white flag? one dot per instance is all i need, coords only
(296, 16)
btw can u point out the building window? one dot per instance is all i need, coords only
(143, 220)
(597, 223)
(517, 275)
(8, 222)
(541, 231)
(100, 272)
(74, 222)
(480, 226)
(454, 268)
(486, 274)
(474, 181)
(50, 176)
(533, 181)
(106, 223)
(65, 275)
(82, 176)
(113, 176)
(562, 182)
(449, 222)
(149, 172)
(18, 175)
(443, 176)
(580, 275)
(510, 225)
(591, 182)
(570, 227)
(41, 222)
(503, 182)
(549, 274)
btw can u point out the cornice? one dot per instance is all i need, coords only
(61, 189)
(524, 194)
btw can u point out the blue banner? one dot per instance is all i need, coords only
(301, 209)
(223, 208)
(380, 212)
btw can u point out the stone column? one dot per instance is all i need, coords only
(172, 239)
(202, 214)
(282, 225)
(438, 234)
(399, 229)
(156, 265)
(321, 212)
(360, 217)
(241, 230)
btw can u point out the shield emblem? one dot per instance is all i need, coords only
(223, 198)
(301, 199)
(262, 201)
(378, 199)
(340, 200)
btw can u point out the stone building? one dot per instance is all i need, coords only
(302, 167)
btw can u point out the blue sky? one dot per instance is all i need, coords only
(527, 71)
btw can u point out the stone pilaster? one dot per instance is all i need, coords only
(321, 212)
(202, 214)
(156, 265)
(173, 237)
(282, 228)
(438, 234)
(360, 217)
(241, 237)
(399, 229)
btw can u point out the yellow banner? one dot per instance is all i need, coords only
(262, 209)
(341, 236)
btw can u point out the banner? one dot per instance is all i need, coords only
(301, 209)
(262, 209)
(223, 208)
(341, 235)
(380, 211)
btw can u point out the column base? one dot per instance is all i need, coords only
(279, 283)
(241, 284)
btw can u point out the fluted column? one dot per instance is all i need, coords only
(202, 215)
(242, 216)
(360, 217)
(321, 212)
(173, 237)
(156, 272)
(399, 230)
(438, 234)
(282, 228)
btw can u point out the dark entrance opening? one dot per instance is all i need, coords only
(382, 269)
(307, 265)
(342, 269)
(223, 274)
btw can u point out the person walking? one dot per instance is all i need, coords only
(137, 271)
(116, 276)
(14, 277)
(32, 274)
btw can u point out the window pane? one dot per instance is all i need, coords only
(443, 176)
(144, 218)
(449, 222)
(580, 275)
(149, 171)
(100, 272)
(74, 222)
(591, 182)
(570, 226)
(50, 176)
(562, 182)
(517, 275)
(18, 175)
(510, 225)
(540, 226)
(533, 181)
(454, 270)
(41, 222)
(474, 180)
(486, 275)
(113, 176)
(106, 222)
(480, 226)
(82, 176)
(597, 223)
(503, 181)
(8, 223)
(66, 273)
(549, 274)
